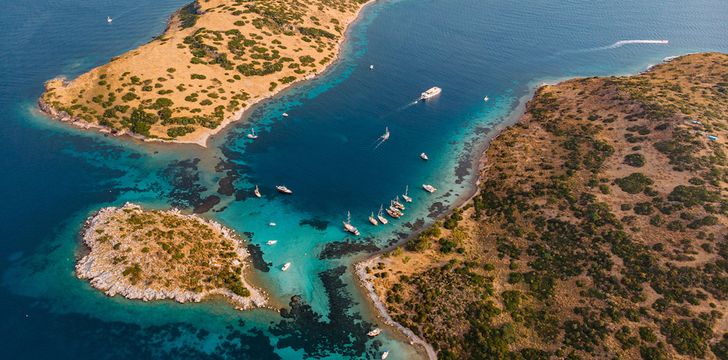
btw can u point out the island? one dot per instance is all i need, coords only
(215, 60)
(156, 254)
(599, 229)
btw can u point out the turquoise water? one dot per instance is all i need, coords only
(54, 177)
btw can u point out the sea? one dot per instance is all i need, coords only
(329, 151)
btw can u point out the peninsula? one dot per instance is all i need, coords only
(153, 254)
(600, 229)
(215, 59)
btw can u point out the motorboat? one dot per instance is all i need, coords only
(430, 93)
(429, 188)
(286, 266)
(385, 355)
(283, 189)
(285, 114)
(109, 19)
(256, 191)
(272, 224)
(486, 99)
(374, 332)
(405, 196)
(424, 156)
(272, 242)
(371, 67)
(348, 227)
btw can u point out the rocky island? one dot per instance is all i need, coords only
(600, 229)
(154, 254)
(215, 59)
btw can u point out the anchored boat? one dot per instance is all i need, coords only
(256, 191)
(372, 220)
(405, 196)
(252, 134)
(286, 266)
(283, 189)
(429, 188)
(374, 332)
(381, 217)
(348, 227)
(272, 242)
(424, 156)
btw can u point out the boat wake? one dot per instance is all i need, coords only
(619, 44)
(382, 138)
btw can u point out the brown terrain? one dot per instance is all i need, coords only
(215, 60)
(600, 229)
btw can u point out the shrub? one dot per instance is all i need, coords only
(692, 195)
(636, 160)
(635, 183)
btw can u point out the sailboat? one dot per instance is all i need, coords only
(256, 191)
(347, 225)
(424, 156)
(252, 134)
(405, 196)
(486, 99)
(397, 204)
(381, 217)
(286, 266)
(373, 220)
(109, 19)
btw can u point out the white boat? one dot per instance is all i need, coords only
(385, 354)
(374, 332)
(486, 99)
(405, 196)
(256, 191)
(430, 93)
(252, 134)
(385, 137)
(286, 266)
(272, 224)
(397, 204)
(371, 67)
(348, 227)
(109, 19)
(429, 188)
(424, 156)
(373, 220)
(272, 242)
(381, 217)
(285, 114)
(283, 189)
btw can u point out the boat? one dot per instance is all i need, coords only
(393, 213)
(252, 134)
(430, 93)
(397, 204)
(385, 354)
(256, 191)
(385, 137)
(424, 156)
(486, 99)
(272, 224)
(373, 220)
(374, 332)
(348, 227)
(283, 189)
(405, 196)
(272, 242)
(286, 266)
(285, 114)
(429, 188)
(371, 67)
(381, 217)
(109, 19)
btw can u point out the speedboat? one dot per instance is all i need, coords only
(429, 188)
(348, 227)
(272, 242)
(424, 156)
(405, 196)
(256, 191)
(283, 189)
(373, 220)
(385, 354)
(430, 93)
(374, 332)
(381, 217)
(286, 266)
(252, 134)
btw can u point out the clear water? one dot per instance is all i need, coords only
(54, 177)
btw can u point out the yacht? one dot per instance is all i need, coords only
(381, 217)
(385, 354)
(256, 191)
(284, 189)
(374, 332)
(272, 242)
(424, 156)
(397, 204)
(393, 213)
(252, 134)
(348, 227)
(430, 93)
(286, 266)
(429, 188)
(373, 220)
(405, 196)
(109, 19)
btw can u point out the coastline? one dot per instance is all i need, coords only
(203, 137)
(478, 157)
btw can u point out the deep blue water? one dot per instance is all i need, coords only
(54, 177)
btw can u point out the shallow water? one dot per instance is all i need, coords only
(54, 177)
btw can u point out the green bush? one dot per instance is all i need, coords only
(635, 160)
(635, 183)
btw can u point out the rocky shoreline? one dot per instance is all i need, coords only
(112, 281)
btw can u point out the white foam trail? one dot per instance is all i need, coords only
(619, 44)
